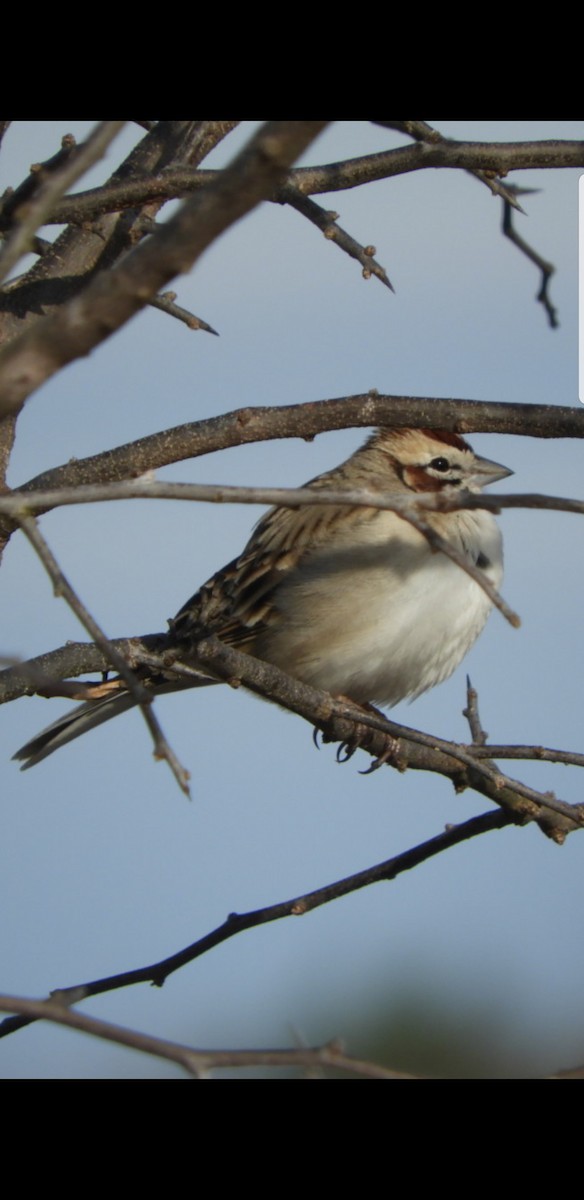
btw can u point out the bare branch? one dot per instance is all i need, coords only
(535, 753)
(236, 923)
(143, 698)
(116, 295)
(246, 425)
(471, 712)
(75, 658)
(492, 158)
(547, 269)
(166, 303)
(327, 222)
(79, 253)
(352, 726)
(496, 157)
(405, 507)
(416, 750)
(420, 131)
(408, 508)
(227, 493)
(445, 547)
(15, 201)
(215, 493)
(396, 745)
(198, 1063)
(78, 276)
(52, 188)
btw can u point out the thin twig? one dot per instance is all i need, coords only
(347, 723)
(236, 923)
(502, 783)
(246, 425)
(569, 758)
(547, 269)
(166, 303)
(172, 183)
(114, 296)
(168, 660)
(437, 542)
(420, 131)
(198, 1063)
(15, 201)
(408, 508)
(75, 658)
(509, 193)
(52, 189)
(152, 652)
(42, 501)
(288, 497)
(256, 424)
(143, 698)
(398, 745)
(496, 157)
(327, 223)
(471, 712)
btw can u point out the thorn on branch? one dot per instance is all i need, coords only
(326, 221)
(15, 199)
(166, 303)
(507, 192)
(471, 712)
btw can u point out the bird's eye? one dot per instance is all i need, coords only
(440, 464)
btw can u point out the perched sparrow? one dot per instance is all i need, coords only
(350, 600)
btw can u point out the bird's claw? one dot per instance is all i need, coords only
(346, 751)
(387, 756)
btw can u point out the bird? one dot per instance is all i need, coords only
(352, 600)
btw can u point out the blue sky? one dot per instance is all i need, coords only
(103, 864)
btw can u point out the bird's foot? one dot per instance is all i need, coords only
(364, 736)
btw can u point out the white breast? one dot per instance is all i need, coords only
(386, 618)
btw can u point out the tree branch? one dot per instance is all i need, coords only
(143, 697)
(340, 721)
(327, 223)
(236, 923)
(166, 303)
(410, 509)
(52, 186)
(71, 660)
(354, 727)
(420, 131)
(547, 269)
(198, 1063)
(116, 295)
(246, 425)
(498, 158)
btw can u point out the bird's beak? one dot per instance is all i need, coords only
(486, 472)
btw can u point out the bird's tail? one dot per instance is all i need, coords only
(77, 721)
(88, 716)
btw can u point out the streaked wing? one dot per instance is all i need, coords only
(237, 602)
